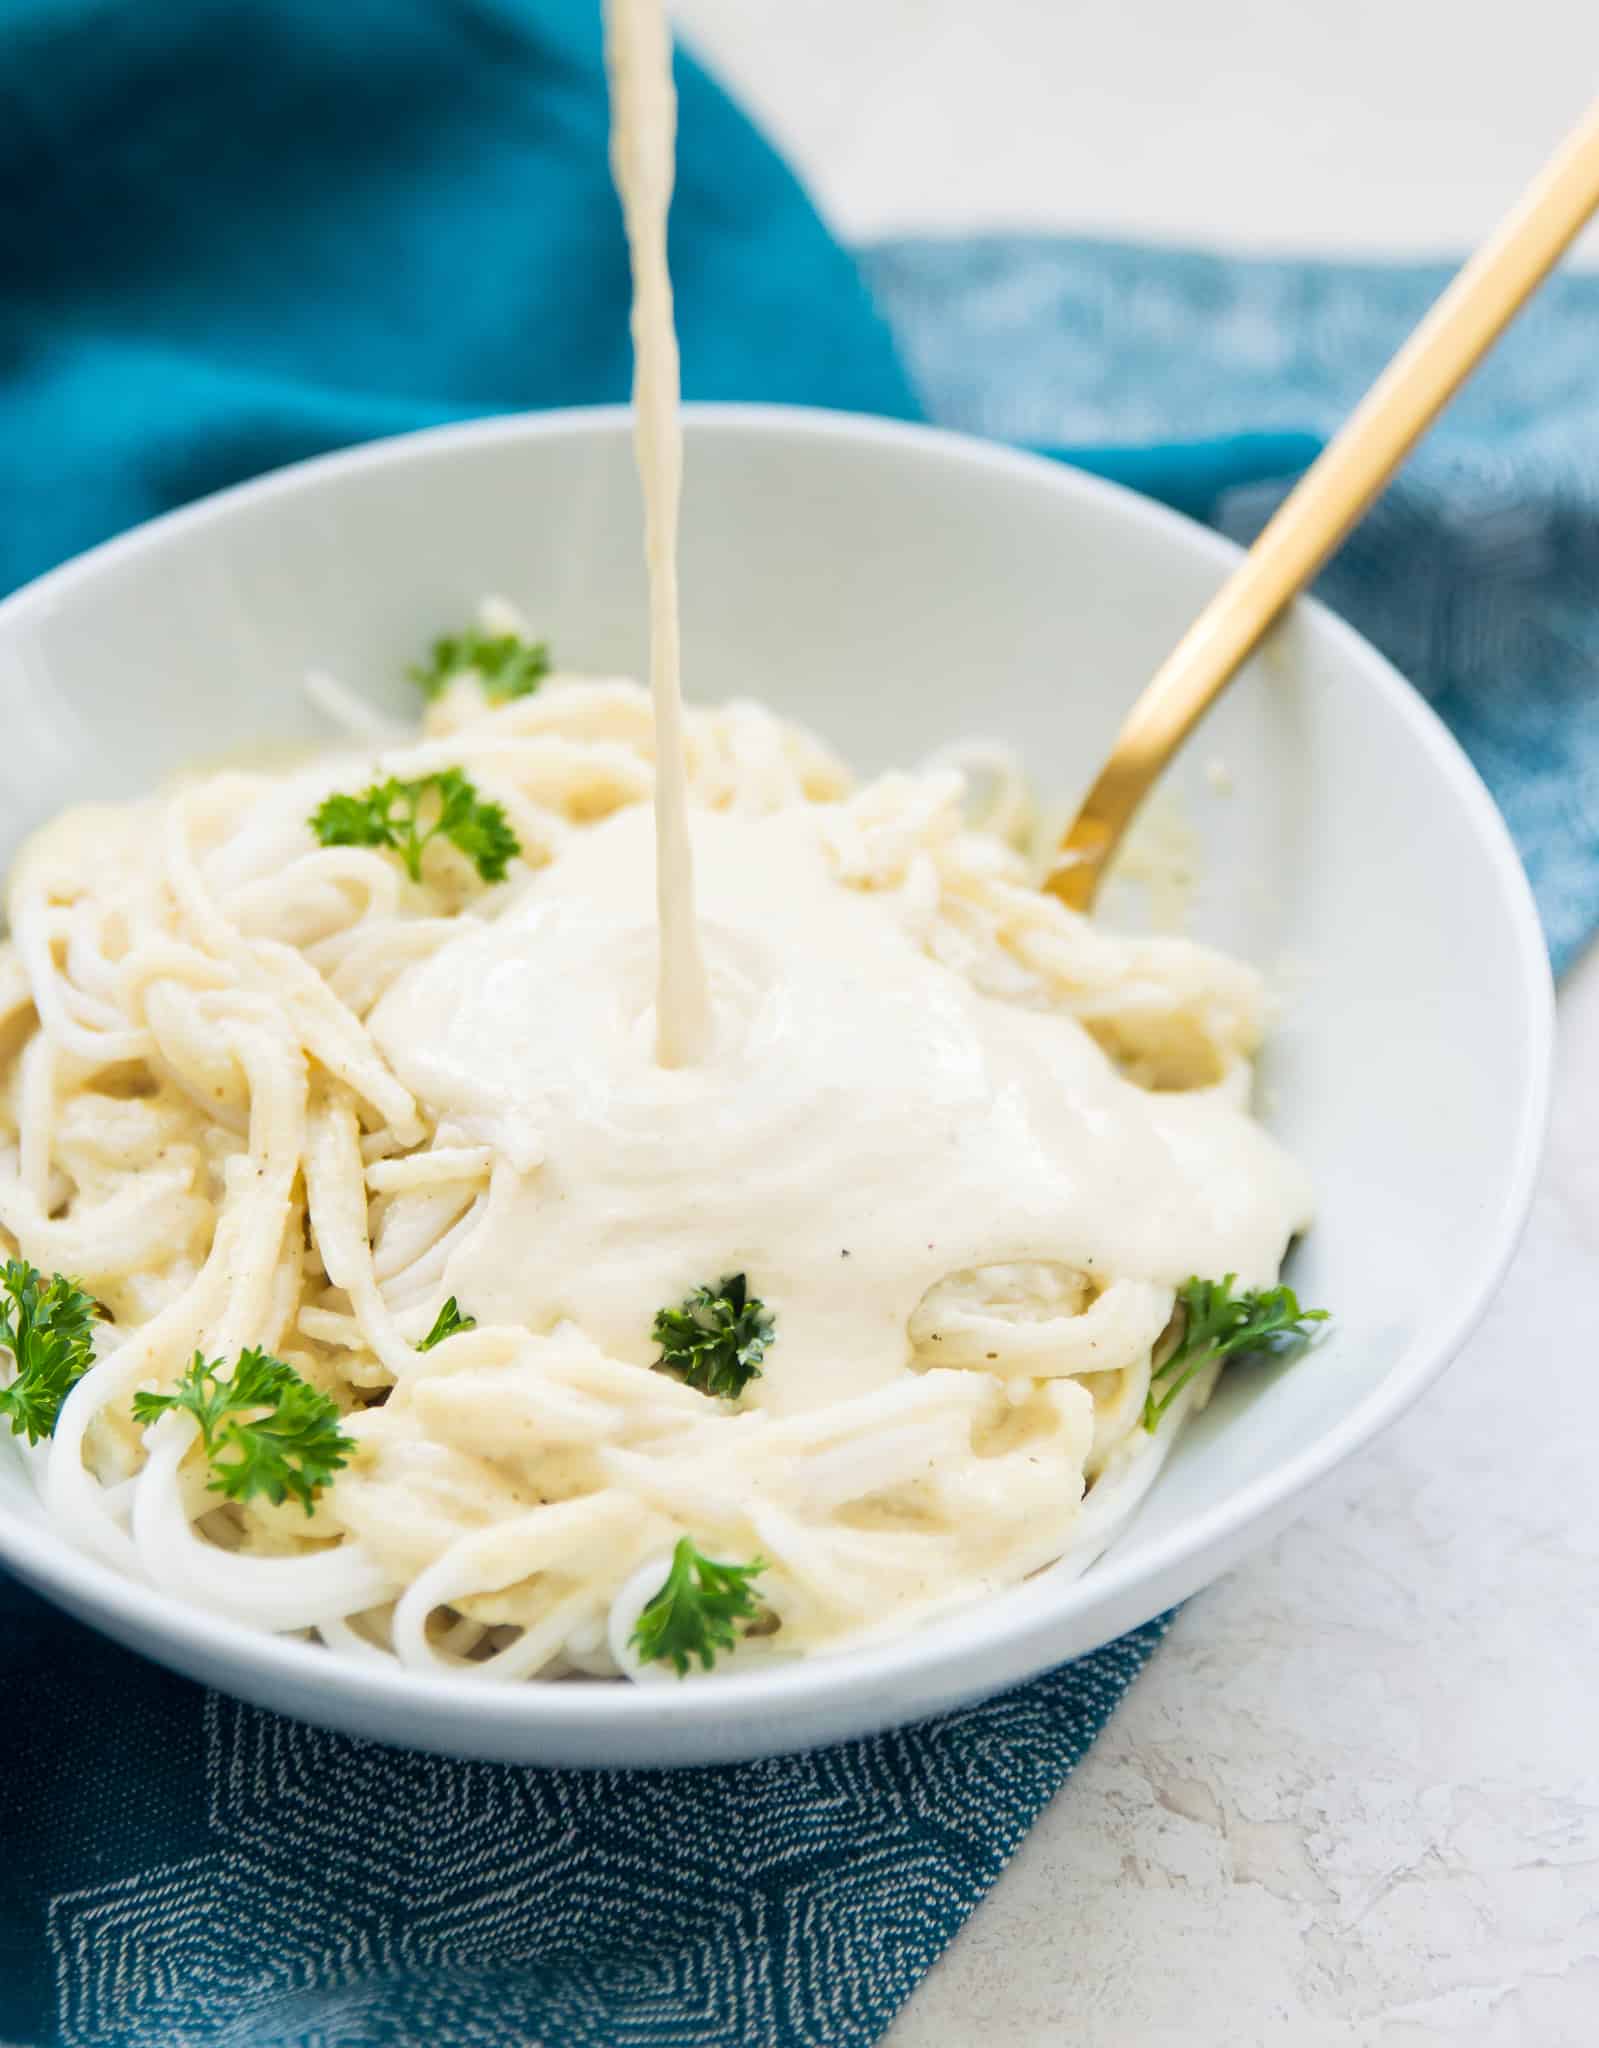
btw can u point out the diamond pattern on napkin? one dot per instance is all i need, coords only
(358, 1896)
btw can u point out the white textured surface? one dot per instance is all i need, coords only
(1354, 1803)
(1275, 124)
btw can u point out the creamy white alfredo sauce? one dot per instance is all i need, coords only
(808, 1097)
(865, 1122)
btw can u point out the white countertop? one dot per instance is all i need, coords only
(1354, 1801)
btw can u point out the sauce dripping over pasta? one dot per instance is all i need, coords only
(853, 1122)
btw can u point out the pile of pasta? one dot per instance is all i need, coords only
(196, 1125)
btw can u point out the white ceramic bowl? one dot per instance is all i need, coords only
(893, 587)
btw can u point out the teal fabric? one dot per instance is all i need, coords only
(178, 1870)
(238, 232)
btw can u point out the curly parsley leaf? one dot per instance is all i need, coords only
(506, 665)
(265, 1430)
(392, 814)
(449, 1322)
(1217, 1323)
(48, 1327)
(715, 1340)
(694, 1613)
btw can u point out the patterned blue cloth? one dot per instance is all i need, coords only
(1210, 381)
(404, 218)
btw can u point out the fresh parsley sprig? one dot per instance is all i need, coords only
(265, 1430)
(449, 1322)
(505, 664)
(391, 814)
(694, 1613)
(715, 1340)
(1221, 1324)
(48, 1327)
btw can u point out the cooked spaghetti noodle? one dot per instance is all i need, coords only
(260, 1091)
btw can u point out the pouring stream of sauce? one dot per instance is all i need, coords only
(643, 135)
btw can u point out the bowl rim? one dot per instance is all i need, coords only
(902, 1669)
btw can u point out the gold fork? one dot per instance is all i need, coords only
(1332, 494)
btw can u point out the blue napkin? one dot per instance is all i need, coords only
(242, 233)
(238, 232)
(1211, 381)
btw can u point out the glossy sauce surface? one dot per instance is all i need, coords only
(864, 1124)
